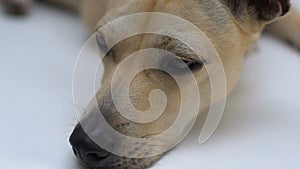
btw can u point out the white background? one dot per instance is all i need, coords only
(260, 128)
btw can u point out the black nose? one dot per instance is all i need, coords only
(85, 148)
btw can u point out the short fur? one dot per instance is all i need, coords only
(233, 26)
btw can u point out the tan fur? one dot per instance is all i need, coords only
(232, 38)
(233, 33)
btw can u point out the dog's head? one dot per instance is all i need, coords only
(231, 25)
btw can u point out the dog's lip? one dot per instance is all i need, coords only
(285, 6)
(99, 165)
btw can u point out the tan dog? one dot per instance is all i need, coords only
(233, 26)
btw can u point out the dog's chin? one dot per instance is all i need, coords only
(116, 162)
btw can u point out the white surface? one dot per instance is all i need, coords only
(260, 128)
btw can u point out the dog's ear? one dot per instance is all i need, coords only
(259, 10)
(268, 10)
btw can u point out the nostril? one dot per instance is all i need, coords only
(96, 156)
(85, 148)
(75, 152)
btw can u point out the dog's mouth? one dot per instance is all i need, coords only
(90, 155)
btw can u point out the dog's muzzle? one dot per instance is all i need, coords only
(86, 149)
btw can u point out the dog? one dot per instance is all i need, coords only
(232, 26)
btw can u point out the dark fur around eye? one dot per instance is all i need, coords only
(194, 66)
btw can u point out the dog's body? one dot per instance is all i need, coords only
(233, 26)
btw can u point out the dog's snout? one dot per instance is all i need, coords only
(85, 148)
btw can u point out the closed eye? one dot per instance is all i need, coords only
(180, 66)
(194, 65)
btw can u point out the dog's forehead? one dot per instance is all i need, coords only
(157, 41)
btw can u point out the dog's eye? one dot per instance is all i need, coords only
(181, 66)
(101, 43)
